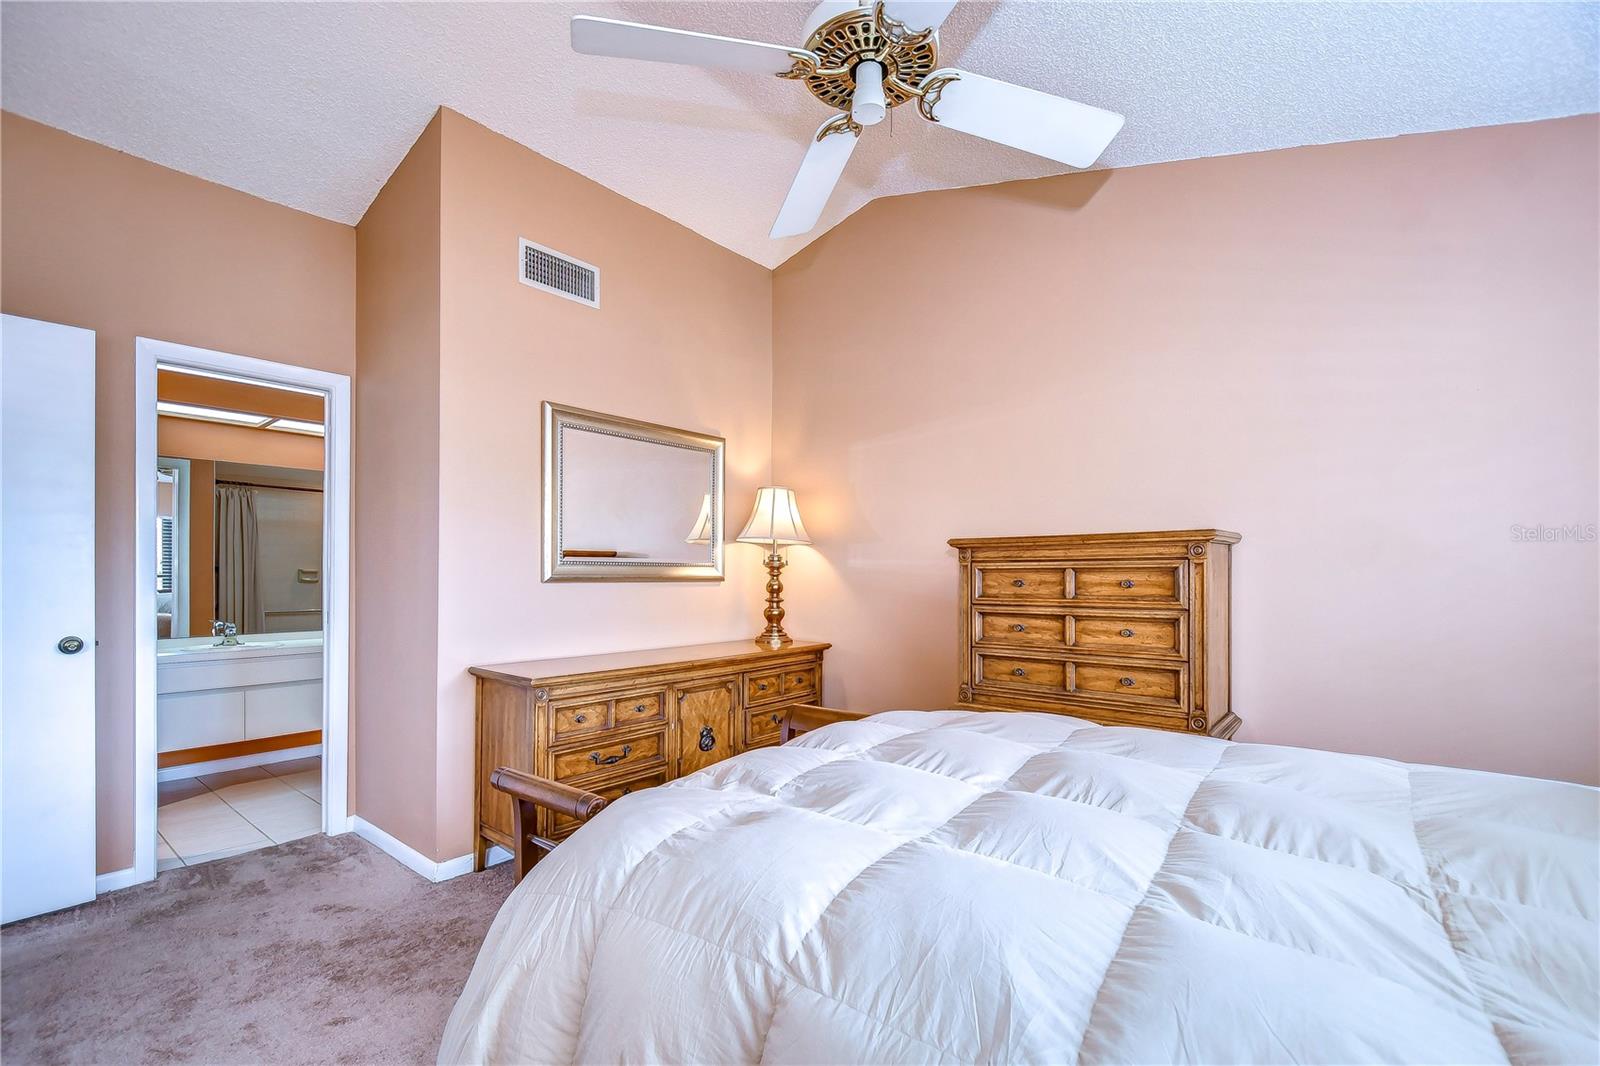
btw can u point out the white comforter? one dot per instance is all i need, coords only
(971, 887)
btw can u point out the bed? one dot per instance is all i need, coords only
(1030, 887)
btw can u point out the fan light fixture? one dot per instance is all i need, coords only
(862, 60)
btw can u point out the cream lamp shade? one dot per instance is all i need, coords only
(775, 520)
(701, 534)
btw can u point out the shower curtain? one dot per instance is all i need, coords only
(238, 580)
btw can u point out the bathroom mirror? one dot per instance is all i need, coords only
(626, 500)
(239, 509)
(238, 542)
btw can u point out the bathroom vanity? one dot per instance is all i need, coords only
(213, 702)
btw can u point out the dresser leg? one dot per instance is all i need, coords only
(480, 854)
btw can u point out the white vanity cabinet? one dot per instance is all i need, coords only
(206, 696)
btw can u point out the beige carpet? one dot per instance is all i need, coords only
(319, 950)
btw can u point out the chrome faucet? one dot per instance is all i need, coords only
(227, 631)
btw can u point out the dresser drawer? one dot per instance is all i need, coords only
(1128, 584)
(763, 688)
(561, 826)
(1157, 685)
(799, 682)
(1032, 674)
(1020, 629)
(1153, 635)
(638, 709)
(645, 752)
(576, 719)
(763, 725)
(1018, 583)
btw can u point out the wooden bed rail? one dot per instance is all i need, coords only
(528, 792)
(804, 717)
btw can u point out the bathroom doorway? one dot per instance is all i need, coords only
(243, 590)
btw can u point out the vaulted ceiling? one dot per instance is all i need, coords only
(313, 105)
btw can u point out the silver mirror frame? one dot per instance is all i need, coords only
(556, 417)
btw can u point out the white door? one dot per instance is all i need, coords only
(47, 832)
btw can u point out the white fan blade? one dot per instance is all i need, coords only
(919, 14)
(1051, 126)
(819, 173)
(635, 40)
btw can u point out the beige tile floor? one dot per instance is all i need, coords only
(217, 815)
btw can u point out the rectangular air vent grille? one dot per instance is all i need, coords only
(561, 274)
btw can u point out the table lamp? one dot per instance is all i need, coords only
(775, 522)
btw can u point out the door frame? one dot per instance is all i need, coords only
(336, 577)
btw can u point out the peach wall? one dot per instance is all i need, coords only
(95, 238)
(394, 642)
(237, 396)
(1371, 359)
(682, 337)
(186, 438)
(202, 547)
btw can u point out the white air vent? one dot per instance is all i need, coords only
(561, 274)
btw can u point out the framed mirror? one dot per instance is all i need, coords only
(626, 500)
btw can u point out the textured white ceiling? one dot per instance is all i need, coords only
(313, 105)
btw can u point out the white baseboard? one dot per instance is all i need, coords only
(414, 860)
(116, 879)
(461, 864)
(238, 762)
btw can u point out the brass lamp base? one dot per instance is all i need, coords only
(774, 636)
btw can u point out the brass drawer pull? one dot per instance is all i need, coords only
(638, 708)
(1127, 582)
(1019, 582)
(1127, 632)
(580, 719)
(626, 789)
(1127, 682)
(609, 760)
(1020, 672)
(1019, 628)
(761, 686)
(708, 739)
(776, 718)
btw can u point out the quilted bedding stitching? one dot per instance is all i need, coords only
(1122, 939)
(1444, 916)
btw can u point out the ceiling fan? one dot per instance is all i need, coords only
(861, 59)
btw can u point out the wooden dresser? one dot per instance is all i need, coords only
(1117, 628)
(614, 723)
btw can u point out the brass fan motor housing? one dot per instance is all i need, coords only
(864, 33)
